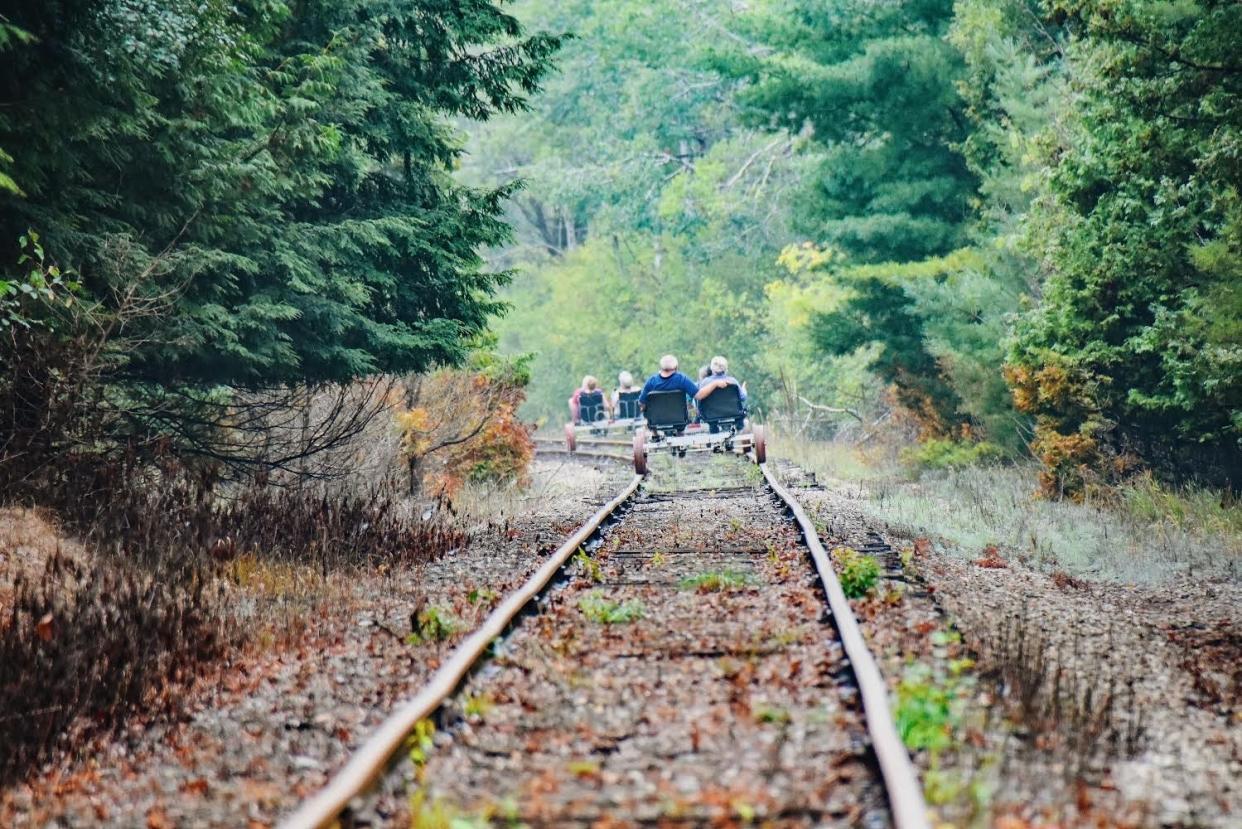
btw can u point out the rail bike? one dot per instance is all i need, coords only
(722, 427)
(594, 423)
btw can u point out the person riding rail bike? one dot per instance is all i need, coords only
(588, 403)
(720, 378)
(670, 379)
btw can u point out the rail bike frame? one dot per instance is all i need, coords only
(600, 427)
(668, 428)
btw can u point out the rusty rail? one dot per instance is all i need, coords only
(370, 760)
(905, 795)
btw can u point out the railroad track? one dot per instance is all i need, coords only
(686, 671)
(609, 449)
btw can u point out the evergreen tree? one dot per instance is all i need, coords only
(1134, 348)
(281, 172)
(875, 83)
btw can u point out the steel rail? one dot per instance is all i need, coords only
(539, 440)
(901, 782)
(579, 453)
(372, 757)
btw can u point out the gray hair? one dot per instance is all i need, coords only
(719, 364)
(625, 378)
(668, 363)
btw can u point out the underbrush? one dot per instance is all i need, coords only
(1140, 532)
(1085, 716)
(86, 643)
(119, 628)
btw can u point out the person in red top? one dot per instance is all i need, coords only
(589, 387)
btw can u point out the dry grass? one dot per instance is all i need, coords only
(1142, 532)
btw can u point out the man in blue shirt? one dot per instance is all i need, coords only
(670, 379)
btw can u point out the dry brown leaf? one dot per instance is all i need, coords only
(44, 627)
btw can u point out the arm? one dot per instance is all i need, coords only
(708, 388)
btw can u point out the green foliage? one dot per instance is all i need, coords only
(1133, 349)
(858, 572)
(281, 172)
(602, 611)
(950, 454)
(590, 568)
(31, 295)
(930, 704)
(433, 624)
(717, 581)
(647, 207)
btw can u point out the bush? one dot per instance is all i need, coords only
(461, 425)
(947, 453)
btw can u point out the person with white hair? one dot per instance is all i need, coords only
(719, 378)
(668, 378)
(719, 370)
(624, 397)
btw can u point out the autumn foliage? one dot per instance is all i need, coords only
(462, 425)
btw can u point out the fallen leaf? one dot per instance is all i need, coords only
(44, 627)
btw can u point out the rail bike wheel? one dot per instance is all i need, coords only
(571, 439)
(640, 452)
(761, 445)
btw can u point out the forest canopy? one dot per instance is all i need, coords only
(244, 196)
(1009, 224)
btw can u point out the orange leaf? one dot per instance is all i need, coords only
(44, 628)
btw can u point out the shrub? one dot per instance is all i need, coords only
(859, 572)
(462, 425)
(946, 453)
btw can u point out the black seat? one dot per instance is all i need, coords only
(721, 406)
(591, 406)
(666, 410)
(627, 404)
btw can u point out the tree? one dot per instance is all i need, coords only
(875, 85)
(286, 170)
(1133, 349)
(276, 178)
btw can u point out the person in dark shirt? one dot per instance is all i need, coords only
(670, 379)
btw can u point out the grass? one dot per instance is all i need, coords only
(716, 581)
(1143, 533)
(602, 611)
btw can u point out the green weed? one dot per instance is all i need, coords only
(433, 624)
(859, 572)
(481, 595)
(477, 705)
(770, 714)
(717, 581)
(591, 570)
(602, 611)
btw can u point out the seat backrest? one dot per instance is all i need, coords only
(666, 409)
(591, 406)
(722, 404)
(627, 404)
